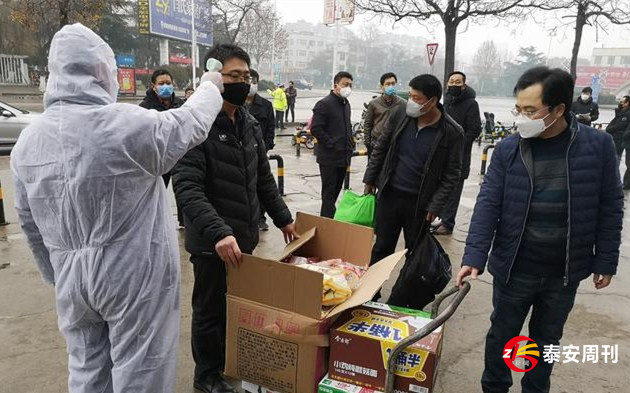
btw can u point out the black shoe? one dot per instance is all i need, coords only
(263, 226)
(214, 384)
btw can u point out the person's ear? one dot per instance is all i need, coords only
(560, 109)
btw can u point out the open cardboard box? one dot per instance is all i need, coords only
(277, 331)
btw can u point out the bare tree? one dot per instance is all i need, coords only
(486, 63)
(597, 13)
(45, 17)
(230, 16)
(451, 13)
(259, 30)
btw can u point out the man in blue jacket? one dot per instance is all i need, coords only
(551, 209)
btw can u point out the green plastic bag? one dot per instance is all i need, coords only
(357, 209)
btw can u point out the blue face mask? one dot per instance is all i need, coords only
(165, 91)
(390, 90)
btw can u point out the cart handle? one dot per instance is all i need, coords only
(427, 329)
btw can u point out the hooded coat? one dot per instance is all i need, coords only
(93, 206)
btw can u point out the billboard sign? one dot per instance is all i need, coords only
(127, 81)
(329, 12)
(345, 11)
(612, 79)
(172, 19)
(125, 61)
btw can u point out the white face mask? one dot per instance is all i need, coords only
(345, 91)
(415, 110)
(253, 89)
(529, 128)
(585, 97)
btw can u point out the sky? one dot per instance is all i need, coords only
(507, 36)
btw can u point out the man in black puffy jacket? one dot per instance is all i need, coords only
(461, 105)
(220, 185)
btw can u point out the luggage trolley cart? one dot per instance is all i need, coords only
(437, 321)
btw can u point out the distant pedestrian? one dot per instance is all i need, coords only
(461, 105)
(586, 110)
(188, 92)
(279, 104)
(291, 97)
(161, 97)
(619, 128)
(262, 110)
(379, 110)
(333, 130)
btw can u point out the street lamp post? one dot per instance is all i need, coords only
(194, 45)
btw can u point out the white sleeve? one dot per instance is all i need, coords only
(33, 236)
(179, 130)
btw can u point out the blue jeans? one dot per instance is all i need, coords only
(551, 302)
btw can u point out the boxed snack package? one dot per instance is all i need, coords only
(363, 337)
(328, 385)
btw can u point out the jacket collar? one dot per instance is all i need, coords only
(340, 99)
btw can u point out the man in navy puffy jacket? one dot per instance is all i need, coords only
(548, 215)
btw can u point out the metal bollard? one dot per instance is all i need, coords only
(484, 158)
(280, 172)
(346, 181)
(3, 220)
(297, 143)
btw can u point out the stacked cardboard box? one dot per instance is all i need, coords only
(277, 330)
(362, 339)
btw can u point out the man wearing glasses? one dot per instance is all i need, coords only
(549, 214)
(220, 185)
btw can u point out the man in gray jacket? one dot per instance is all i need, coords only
(379, 109)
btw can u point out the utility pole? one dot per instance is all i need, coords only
(194, 45)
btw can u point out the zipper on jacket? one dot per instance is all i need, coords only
(529, 202)
(568, 246)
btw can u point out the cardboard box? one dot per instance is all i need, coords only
(327, 385)
(277, 334)
(363, 338)
(253, 388)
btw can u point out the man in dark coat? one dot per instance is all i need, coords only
(586, 110)
(548, 215)
(291, 97)
(619, 128)
(220, 185)
(161, 97)
(461, 105)
(263, 112)
(331, 126)
(415, 167)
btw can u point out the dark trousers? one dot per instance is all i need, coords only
(332, 182)
(292, 110)
(550, 302)
(395, 211)
(623, 144)
(450, 211)
(209, 316)
(279, 119)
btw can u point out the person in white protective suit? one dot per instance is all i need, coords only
(93, 206)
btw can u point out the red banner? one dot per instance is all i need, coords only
(180, 60)
(613, 78)
(144, 71)
(127, 81)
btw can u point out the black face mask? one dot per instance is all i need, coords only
(455, 91)
(235, 93)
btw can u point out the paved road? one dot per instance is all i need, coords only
(33, 358)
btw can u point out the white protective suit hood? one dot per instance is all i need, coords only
(82, 68)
